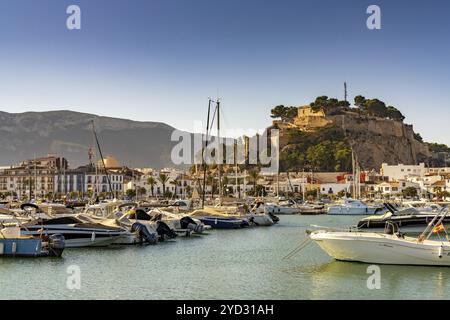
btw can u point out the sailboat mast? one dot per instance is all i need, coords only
(94, 186)
(203, 154)
(219, 151)
(354, 174)
(236, 194)
(103, 160)
(35, 177)
(304, 185)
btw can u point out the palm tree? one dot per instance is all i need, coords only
(175, 183)
(210, 181)
(253, 176)
(163, 178)
(225, 182)
(151, 181)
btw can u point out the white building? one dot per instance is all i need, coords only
(396, 187)
(335, 188)
(443, 170)
(401, 171)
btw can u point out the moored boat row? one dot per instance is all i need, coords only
(38, 231)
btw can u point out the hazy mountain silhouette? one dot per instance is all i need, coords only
(68, 133)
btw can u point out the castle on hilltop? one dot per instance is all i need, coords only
(375, 139)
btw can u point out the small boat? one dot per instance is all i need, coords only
(224, 222)
(140, 226)
(285, 207)
(308, 208)
(353, 207)
(408, 220)
(77, 233)
(221, 217)
(147, 227)
(392, 247)
(260, 216)
(370, 247)
(14, 244)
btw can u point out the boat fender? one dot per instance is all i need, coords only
(440, 252)
(56, 245)
(93, 237)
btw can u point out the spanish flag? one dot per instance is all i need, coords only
(439, 228)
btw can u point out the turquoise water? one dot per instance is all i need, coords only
(228, 264)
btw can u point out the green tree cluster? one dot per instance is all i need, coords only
(324, 150)
(378, 108)
(437, 147)
(284, 113)
(329, 105)
(409, 192)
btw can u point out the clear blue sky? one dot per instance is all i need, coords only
(159, 60)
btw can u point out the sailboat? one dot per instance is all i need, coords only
(354, 206)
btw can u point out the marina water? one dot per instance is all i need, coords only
(225, 264)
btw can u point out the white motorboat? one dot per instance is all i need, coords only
(382, 248)
(289, 207)
(388, 248)
(259, 215)
(408, 220)
(77, 233)
(353, 207)
(181, 223)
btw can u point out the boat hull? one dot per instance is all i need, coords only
(22, 248)
(282, 210)
(78, 238)
(260, 220)
(381, 249)
(224, 223)
(342, 210)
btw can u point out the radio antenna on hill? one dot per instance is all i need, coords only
(345, 91)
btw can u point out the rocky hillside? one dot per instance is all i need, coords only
(376, 141)
(322, 138)
(69, 134)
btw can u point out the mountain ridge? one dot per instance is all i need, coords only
(68, 133)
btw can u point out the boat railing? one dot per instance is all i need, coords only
(317, 227)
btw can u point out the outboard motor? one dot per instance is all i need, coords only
(190, 224)
(56, 245)
(274, 218)
(251, 220)
(164, 231)
(245, 223)
(144, 234)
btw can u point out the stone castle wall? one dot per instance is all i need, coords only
(374, 140)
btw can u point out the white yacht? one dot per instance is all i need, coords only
(382, 248)
(283, 207)
(353, 207)
(391, 247)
